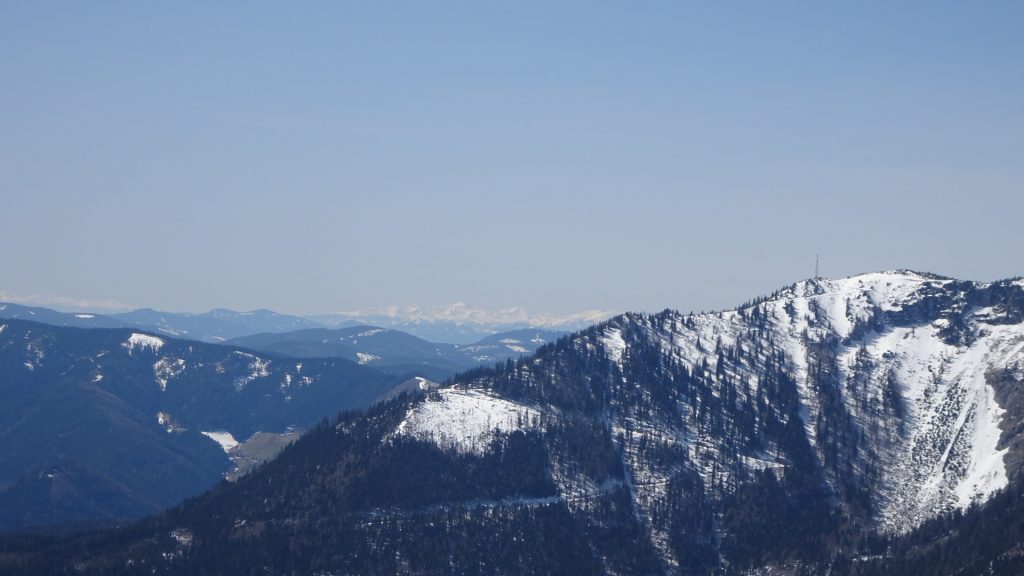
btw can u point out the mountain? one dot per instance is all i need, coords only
(109, 423)
(509, 344)
(459, 323)
(397, 352)
(13, 311)
(455, 324)
(216, 325)
(864, 425)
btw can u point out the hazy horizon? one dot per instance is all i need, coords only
(67, 304)
(559, 158)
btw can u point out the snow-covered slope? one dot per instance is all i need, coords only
(894, 343)
(466, 420)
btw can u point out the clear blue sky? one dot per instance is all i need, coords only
(558, 156)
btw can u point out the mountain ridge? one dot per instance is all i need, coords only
(465, 327)
(395, 351)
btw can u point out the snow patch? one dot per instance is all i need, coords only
(143, 342)
(167, 368)
(365, 357)
(164, 419)
(986, 473)
(465, 420)
(614, 344)
(225, 439)
(258, 368)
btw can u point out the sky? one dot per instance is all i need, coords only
(558, 156)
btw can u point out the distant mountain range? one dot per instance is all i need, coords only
(213, 326)
(9, 310)
(216, 325)
(460, 323)
(452, 324)
(389, 349)
(396, 352)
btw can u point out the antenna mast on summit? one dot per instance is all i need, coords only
(816, 267)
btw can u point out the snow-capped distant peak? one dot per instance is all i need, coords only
(843, 302)
(461, 313)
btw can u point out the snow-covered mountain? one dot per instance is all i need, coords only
(460, 323)
(895, 373)
(795, 434)
(901, 359)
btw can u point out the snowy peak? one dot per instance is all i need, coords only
(460, 323)
(844, 301)
(879, 287)
(462, 313)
